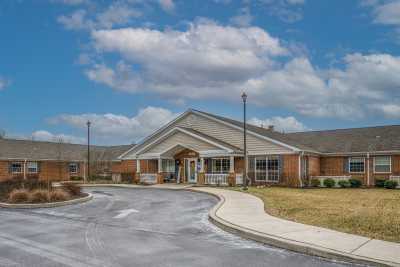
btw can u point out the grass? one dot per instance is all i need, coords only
(373, 213)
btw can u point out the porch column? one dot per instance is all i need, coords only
(232, 164)
(137, 175)
(232, 176)
(159, 161)
(201, 176)
(138, 165)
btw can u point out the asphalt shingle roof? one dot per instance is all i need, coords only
(39, 150)
(367, 139)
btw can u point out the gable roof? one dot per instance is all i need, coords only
(366, 139)
(40, 150)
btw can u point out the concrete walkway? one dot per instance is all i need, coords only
(244, 214)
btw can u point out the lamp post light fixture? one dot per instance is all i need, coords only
(244, 98)
(88, 149)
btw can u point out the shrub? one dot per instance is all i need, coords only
(389, 184)
(58, 195)
(344, 184)
(355, 183)
(329, 182)
(380, 182)
(72, 189)
(18, 196)
(315, 182)
(76, 178)
(39, 196)
(19, 183)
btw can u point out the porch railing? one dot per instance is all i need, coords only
(216, 178)
(150, 178)
(395, 178)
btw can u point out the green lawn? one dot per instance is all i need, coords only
(373, 213)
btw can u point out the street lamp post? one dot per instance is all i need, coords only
(244, 98)
(88, 149)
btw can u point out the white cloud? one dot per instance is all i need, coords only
(71, 2)
(115, 14)
(389, 110)
(43, 135)
(388, 13)
(288, 11)
(281, 124)
(204, 57)
(117, 129)
(167, 5)
(4, 83)
(243, 19)
(210, 61)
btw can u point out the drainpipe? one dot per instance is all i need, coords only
(368, 182)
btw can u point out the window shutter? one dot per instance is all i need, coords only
(9, 167)
(78, 165)
(38, 167)
(346, 164)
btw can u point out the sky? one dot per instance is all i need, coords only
(130, 66)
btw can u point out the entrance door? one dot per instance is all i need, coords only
(191, 165)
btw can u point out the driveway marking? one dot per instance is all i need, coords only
(124, 213)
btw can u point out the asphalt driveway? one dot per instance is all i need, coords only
(133, 227)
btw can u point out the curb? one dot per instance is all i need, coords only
(132, 186)
(285, 243)
(47, 205)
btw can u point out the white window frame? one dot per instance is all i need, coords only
(168, 165)
(221, 159)
(356, 158)
(17, 172)
(390, 164)
(30, 167)
(255, 170)
(266, 169)
(76, 167)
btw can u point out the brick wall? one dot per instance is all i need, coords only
(335, 166)
(52, 170)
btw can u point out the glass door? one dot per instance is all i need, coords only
(191, 165)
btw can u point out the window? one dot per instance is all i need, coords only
(16, 167)
(273, 169)
(356, 165)
(168, 165)
(382, 164)
(261, 169)
(32, 167)
(220, 165)
(73, 167)
(267, 169)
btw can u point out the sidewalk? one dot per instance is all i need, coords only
(244, 214)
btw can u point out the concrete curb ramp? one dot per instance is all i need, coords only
(244, 215)
(47, 205)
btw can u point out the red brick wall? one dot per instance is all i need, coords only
(313, 166)
(290, 175)
(52, 170)
(334, 166)
(125, 166)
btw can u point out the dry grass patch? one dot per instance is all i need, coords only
(374, 213)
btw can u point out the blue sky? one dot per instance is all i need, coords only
(131, 65)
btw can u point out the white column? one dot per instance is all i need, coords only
(232, 164)
(138, 165)
(159, 165)
(201, 164)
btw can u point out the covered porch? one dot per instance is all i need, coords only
(183, 164)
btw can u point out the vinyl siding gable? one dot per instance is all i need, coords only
(183, 139)
(230, 135)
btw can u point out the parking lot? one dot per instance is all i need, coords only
(133, 227)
